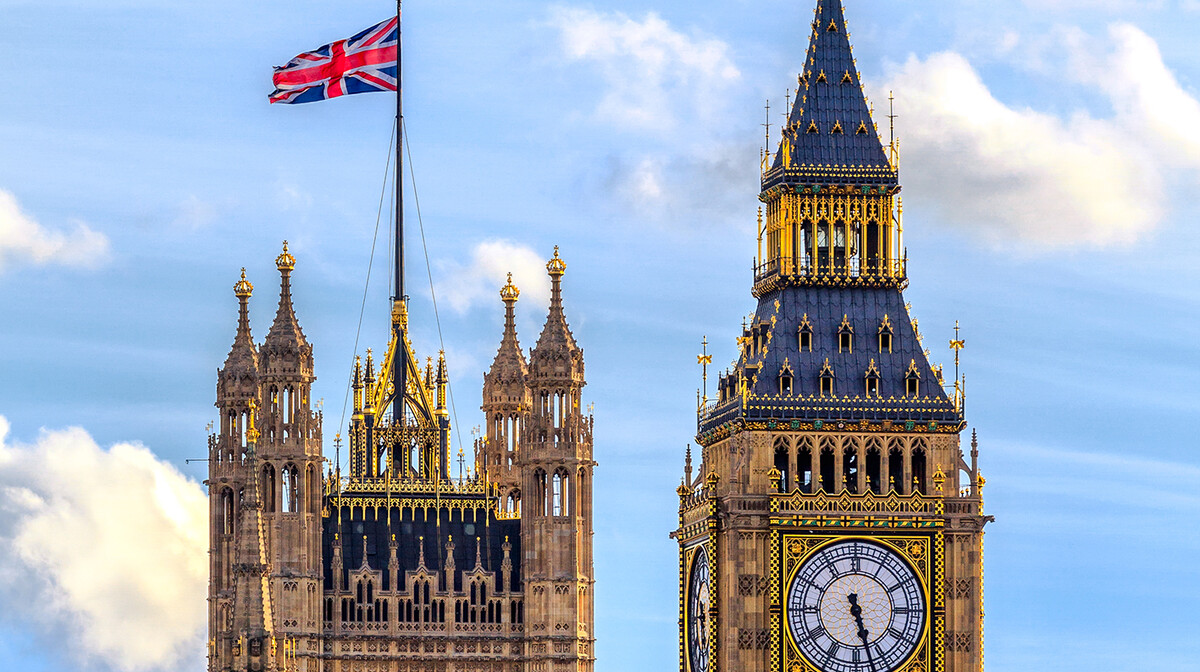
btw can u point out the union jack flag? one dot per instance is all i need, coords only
(362, 64)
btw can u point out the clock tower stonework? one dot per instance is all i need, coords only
(835, 522)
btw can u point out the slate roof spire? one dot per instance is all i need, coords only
(509, 366)
(286, 328)
(830, 137)
(556, 334)
(243, 358)
(557, 359)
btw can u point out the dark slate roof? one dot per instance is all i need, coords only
(826, 308)
(831, 95)
(409, 528)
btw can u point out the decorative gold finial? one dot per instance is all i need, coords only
(285, 261)
(400, 313)
(243, 288)
(510, 292)
(556, 266)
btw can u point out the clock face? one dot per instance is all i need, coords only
(697, 612)
(856, 606)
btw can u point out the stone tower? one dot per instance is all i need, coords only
(835, 523)
(290, 465)
(238, 599)
(265, 494)
(555, 462)
(506, 400)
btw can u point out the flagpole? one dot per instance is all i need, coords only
(400, 365)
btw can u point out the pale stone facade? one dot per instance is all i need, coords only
(401, 566)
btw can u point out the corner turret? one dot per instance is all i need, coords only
(505, 398)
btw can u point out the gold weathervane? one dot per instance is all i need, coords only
(704, 359)
(957, 344)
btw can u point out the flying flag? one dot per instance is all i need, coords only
(364, 63)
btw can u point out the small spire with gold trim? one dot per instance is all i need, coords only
(556, 333)
(286, 328)
(242, 359)
(509, 366)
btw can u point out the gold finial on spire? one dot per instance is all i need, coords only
(285, 261)
(704, 359)
(243, 288)
(556, 266)
(510, 292)
(399, 313)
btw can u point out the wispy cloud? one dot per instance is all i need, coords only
(194, 214)
(24, 241)
(1147, 96)
(671, 86)
(477, 281)
(704, 187)
(653, 75)
(105, 548)
(1132, 482)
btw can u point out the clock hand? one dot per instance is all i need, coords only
(856, 612)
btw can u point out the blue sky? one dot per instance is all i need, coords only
(1049, 158)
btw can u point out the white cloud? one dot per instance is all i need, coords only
(654, 74)
(478, 281)
(1144, 92)
(105, 549)
(23, 240)
(1036, 181)
(1019, 176)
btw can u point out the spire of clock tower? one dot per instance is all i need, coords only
(830, 138)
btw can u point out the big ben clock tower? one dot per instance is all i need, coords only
(834, 524)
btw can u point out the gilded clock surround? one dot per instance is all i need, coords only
(831, 423)
(919, 551)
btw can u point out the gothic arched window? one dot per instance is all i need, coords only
(291, 489)
(267, 488)
(540, 501)
(557, 505)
